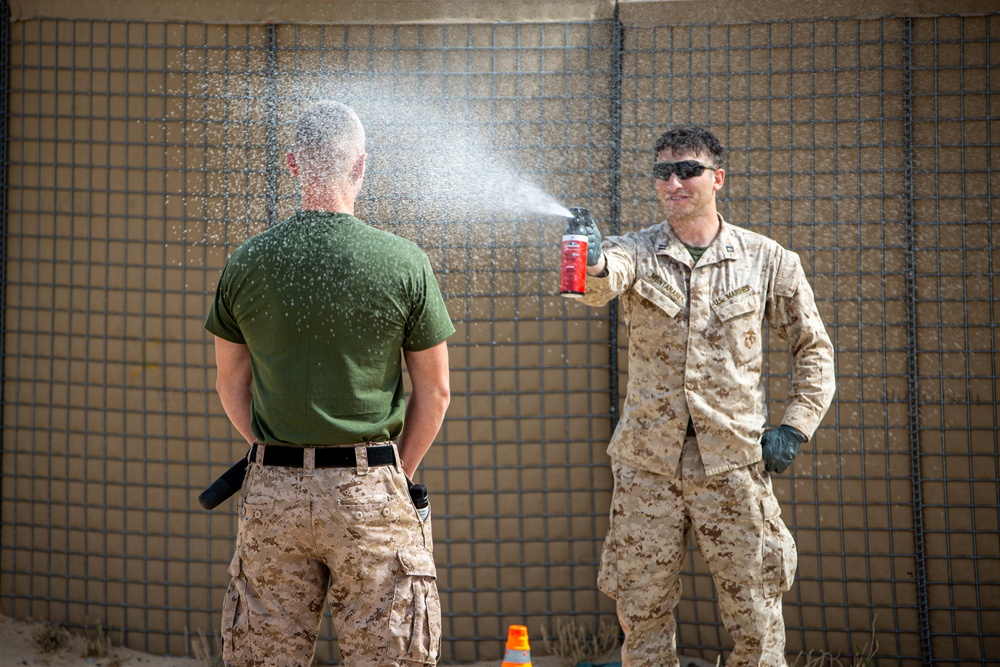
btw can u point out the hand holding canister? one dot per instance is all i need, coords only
(593, 237)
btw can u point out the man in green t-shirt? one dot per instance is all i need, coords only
(311, 319)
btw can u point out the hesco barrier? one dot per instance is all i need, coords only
(141, 153)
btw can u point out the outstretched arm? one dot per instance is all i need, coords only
(429, 399)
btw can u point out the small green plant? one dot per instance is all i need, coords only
(98, 646)
(864, 656)
(203, 651)
(50, 637)
(574, 643)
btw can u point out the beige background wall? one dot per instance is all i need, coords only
(140, 154)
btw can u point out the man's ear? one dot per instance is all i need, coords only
(720, 178)
(293, 166)
(358, 170)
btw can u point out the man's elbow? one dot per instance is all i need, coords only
(225, 389)
(443, 396)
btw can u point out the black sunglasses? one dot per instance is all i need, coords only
(684, 169)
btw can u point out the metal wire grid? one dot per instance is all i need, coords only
(105, 301)
(954, 112)
(485, 468)
(515, 541)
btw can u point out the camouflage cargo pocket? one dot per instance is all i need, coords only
(235, 624)
(415, 615)
(780, 556)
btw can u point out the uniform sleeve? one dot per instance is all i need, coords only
(619, 253)
(429, 322)
(220, 320)
(792, 313)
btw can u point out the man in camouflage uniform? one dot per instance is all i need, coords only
(691, 452)
(311, 319)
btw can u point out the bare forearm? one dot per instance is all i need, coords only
(429, 399)
(236, 403)
(424, 416)
(234, 384)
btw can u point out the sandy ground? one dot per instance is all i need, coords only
(19, 647)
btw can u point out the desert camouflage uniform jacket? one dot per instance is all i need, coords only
(695, 348)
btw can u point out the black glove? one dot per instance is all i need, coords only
(593, 241)
(779, 446)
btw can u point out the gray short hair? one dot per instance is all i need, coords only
(328, 139)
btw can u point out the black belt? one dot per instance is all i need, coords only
(326, 457)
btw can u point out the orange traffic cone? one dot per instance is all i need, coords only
(518, 652)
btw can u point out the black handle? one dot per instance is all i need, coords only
(418, 493)
(228, 484)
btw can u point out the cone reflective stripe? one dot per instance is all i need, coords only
(518, 652)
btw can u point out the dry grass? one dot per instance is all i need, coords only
(574, 643)
(864, 656)
(50, 637)
(204, 652)
(99, 646)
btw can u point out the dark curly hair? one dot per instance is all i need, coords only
(691, 139)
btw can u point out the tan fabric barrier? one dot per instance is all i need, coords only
(400, 12)
(336, 12)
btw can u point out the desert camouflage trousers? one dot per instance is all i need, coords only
(739, 532)
(349, 535)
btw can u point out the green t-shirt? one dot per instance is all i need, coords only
(695, 251)
(325, 304)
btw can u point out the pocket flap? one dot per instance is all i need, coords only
(658, 298)
(417, 563)
(378, 499)
(727, 310)
(257, 503)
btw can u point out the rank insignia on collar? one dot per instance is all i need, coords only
(729, 248)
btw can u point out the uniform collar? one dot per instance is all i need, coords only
(722, 248)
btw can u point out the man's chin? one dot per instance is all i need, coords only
(677, 212)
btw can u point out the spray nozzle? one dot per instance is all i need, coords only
(581, 215)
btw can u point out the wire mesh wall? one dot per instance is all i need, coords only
(142, 153)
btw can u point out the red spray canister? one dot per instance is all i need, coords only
(573, 274)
